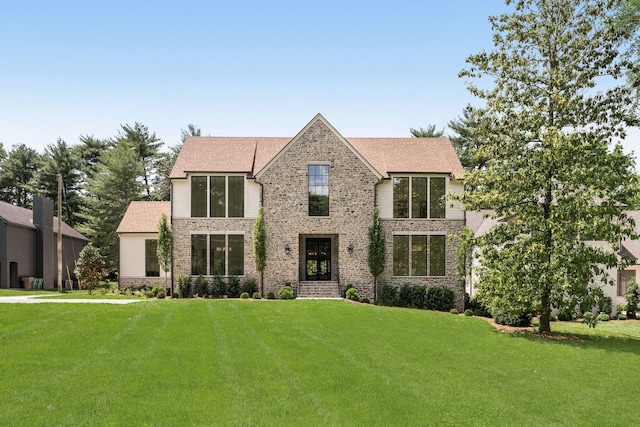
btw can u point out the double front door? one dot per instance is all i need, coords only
(318, 259)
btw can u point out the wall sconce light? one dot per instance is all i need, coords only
(350, 248)
(287, 248)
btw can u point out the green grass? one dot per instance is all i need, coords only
(27, 292)
(203, 362)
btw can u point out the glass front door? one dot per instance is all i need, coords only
(318, 259)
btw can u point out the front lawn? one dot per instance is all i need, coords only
(234, 362)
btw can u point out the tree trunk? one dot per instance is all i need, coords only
(545, 326)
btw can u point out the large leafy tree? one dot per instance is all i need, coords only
(17, 175)
(113, 186)
(554, 173)
(88, 154)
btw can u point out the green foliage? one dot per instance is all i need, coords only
(603, 317)
(233, 287)
(249, 285)
(440, 299)
(201, 286)
(633, 299)
(256, 295)
(259, 237)
(18, 170)
(164, 249)
(511, 318)
(464, 249)
(146, 147)
(454, 311)
(184, 286)
(161, 294)
(376, 250)
(465, 140)
(468, 312)
(589, 319)
(285, 292)
(555, 167)
(477, 307)
(244, 295)
(388, 295)
(218, 287)
(344, 293)
(412, 296)
(429, 132)
(352, 294)
(156, 290)
(621, 316)
(113, 186)
(90, 268)
(271, 295)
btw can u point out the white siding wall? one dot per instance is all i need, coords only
(132, 254)
(251, 198)
(181, 198)
(454, 207)
(385, 199)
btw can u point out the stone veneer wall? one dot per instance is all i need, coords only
(184, 228)
(450, 280)
(351, 198)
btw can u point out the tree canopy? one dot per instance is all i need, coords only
(554, 172)
(429, 132)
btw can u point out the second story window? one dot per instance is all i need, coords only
(318, 190)
(418, 197)
(217, 196)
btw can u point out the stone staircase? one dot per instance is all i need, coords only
(319, 290)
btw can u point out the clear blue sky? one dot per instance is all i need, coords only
(233, 68)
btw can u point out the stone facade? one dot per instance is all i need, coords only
(352, 196)
(184, 228)
(286, 207)
(451, 228)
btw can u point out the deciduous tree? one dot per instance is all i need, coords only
(554, 172)
(90, 268)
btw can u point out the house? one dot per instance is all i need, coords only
(480, 222)
(29, 248)
(318, 190)
(138, 238)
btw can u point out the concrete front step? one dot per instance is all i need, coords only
(318, 290)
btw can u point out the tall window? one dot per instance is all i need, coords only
(217, 196)
(198, 196)
(624, 280)
(151, 265)
(318, 190)
(198, 254)
(419, 255)
(217, 254)
(418, 197)
(224, 256)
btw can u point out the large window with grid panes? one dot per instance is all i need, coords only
(419, 197)
(217, 254)
(419, 254)
(217, 196)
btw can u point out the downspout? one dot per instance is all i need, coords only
(172, 234)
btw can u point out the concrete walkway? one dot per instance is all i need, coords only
(35, 299)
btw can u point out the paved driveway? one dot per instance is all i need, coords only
(33, 299)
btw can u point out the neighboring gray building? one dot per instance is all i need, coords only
(29, 248)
